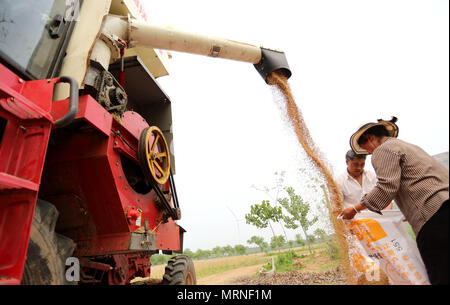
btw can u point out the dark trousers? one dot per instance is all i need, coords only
(432, 242)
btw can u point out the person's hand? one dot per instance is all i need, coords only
(348, 213)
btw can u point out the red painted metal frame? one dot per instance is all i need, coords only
(24, 108)
(83, 177)
(128, 267)
(91, 179)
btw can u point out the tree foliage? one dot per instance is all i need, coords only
(299, 240)
(239, 249)
(277, 242)
(218, 251)
(259, 241)
(320, 234)
(228, 250)
(298, 211)
(262, 214)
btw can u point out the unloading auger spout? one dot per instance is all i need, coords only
(139, 33)
(272, 61)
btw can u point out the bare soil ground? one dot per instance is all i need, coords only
(317, 268)
(229, 277)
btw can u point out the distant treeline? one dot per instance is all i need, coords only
(277, 243)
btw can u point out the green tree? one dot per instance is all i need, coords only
(298, 210)
(159, 259)
(320, 234)
(259, 241)
(291, 243)
(279, 181)
(262, 214)
(239, 249)
(299, 240)
(277, 242)
(188, 252)
(201, 253)
(218, 251)
(228, 250)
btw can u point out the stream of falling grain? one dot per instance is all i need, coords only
(303, 136)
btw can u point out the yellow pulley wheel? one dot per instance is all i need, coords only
(154, 155)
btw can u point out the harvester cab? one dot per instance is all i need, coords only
(87, 162)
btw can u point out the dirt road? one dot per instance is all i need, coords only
(229, 277)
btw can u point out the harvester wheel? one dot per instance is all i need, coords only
(154, 154)
(179, 271)
(47, 250)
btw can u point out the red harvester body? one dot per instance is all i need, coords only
(87, 191)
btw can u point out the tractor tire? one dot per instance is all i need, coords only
(179, 271)
(47, 250)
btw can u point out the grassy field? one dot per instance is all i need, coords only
(207, 267)
(319, 261)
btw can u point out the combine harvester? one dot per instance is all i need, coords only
(86, 175)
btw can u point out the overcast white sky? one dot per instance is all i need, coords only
(352, 62)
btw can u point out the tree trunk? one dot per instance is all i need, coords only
(307, 240)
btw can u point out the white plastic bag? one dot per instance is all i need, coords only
(386, 244)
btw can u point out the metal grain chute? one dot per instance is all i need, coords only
(139, 33)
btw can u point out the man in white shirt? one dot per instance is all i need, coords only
(355, 181)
